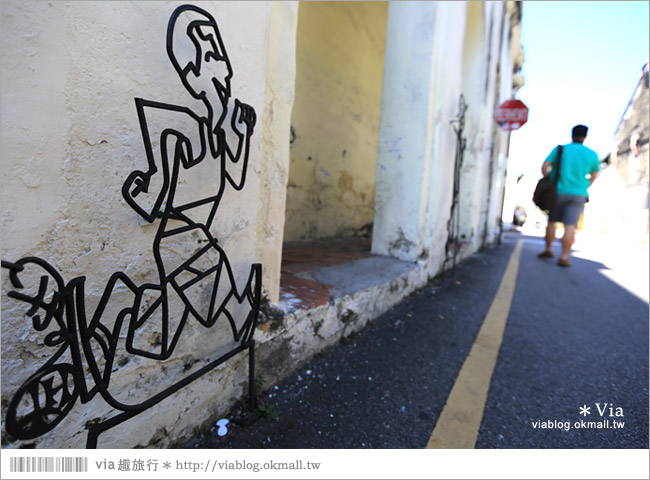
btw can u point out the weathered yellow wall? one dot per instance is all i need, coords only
(335, 118)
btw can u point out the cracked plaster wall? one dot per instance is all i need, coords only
(335, 119)
(70, 137)
(280, 89)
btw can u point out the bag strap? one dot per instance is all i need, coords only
(559, 157)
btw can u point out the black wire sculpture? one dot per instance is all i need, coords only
(453, 224)
(87, 340)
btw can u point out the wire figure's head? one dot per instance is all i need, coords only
(198, 54)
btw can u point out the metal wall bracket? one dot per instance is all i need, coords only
(453, 224)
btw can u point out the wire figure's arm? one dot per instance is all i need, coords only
(242, 123)
(136, 187)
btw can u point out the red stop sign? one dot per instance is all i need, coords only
(511, 114)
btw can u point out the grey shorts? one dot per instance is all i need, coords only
(567, 209)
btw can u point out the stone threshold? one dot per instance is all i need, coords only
(329, 290)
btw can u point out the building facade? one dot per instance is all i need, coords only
(342, 121)
(630, 157)
(618, 205)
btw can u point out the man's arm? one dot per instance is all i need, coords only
(595, 168)
(547, 166)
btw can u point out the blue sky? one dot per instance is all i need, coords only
(582, 63)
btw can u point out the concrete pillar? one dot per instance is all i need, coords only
(474, 172)
(449, 28)
(406, 131)
(280, 86)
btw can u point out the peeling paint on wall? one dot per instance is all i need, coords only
(335, 118)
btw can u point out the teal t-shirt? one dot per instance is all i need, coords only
(577, 162)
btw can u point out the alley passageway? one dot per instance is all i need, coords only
(572, 361)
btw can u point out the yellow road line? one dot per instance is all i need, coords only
(459, 422)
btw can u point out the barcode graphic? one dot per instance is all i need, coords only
(48, 464)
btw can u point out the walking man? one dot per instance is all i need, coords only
(579, 168)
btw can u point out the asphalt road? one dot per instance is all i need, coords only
(575, 340)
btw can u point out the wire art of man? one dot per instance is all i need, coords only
(198, 55)
(207, 77)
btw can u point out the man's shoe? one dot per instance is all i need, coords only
(563, 263)
(545, 254)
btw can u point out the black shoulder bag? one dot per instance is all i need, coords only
(545, 193)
